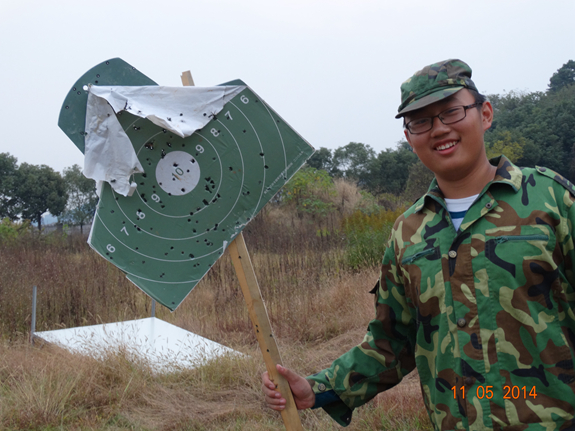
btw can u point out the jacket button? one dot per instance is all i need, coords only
(461, 322)
(488, 205)
(321, 387)
(452, 254)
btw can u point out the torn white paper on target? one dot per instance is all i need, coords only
(109, 154)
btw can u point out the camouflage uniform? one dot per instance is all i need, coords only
(486, 313)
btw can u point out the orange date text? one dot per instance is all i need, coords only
(509, 392)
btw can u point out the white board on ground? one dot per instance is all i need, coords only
(164, 346)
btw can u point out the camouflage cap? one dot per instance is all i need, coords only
(433, 83)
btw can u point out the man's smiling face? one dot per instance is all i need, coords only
(452, 151)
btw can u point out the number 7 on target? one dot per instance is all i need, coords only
(257, 311)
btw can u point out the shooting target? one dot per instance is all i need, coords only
(197, 193)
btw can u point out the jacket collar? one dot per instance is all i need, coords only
(507, 173)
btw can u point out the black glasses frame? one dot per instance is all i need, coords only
(465, 108)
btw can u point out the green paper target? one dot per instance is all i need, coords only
(197, 193)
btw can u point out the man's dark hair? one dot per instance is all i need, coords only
(477, 97)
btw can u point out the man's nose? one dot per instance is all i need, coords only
(438, 128)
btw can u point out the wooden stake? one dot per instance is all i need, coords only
(259, 316)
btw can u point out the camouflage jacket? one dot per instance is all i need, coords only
(485, 313)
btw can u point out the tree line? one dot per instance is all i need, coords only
(531, 129)
(28, 191)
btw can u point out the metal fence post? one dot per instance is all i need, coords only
(33, 324)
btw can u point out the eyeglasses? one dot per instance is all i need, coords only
(449, 116)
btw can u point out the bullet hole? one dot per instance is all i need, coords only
(189, 220)
(262, 154)
(194, 231)
(98, 75)
(191, 256)
(79, 92)
(187, 170)
(205, 114)
(205, 202)
(163, 153)
(136, 127)
(169, 194)
(136, 248)
(169, 144)
(163, 206)
(74, 89)
(197, 221)
(244, 131)
(160, 183)
(143, 261)
(266, 166)
(181, 114)
(124, 222)
(67, 107)
(145, 176)
(164, 130)
(165, 254)
(169, 119)
(183, 190)
(162, 275)
(193, 161)
(112, 211)
(230, 168)
(141, 183)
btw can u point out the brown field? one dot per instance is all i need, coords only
(318, 307)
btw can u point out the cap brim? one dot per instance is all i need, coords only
(429, 99)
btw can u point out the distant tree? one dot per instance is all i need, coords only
(82, 198)
(321, 159)
(418, 181)
(564, 76)
(39, 189)
(8, 202)
(353, 161)
(389, 171)
(311, 191)
(511, 146)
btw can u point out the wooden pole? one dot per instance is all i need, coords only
(259, 316)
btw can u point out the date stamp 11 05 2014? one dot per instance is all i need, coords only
(509, 392)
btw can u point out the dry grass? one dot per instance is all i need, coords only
(318, 310)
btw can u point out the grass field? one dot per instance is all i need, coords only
(318, 304)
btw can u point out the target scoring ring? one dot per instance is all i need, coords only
(178, 173)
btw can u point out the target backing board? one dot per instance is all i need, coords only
(197, 193)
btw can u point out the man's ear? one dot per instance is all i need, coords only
(408, 137)
(486, 115)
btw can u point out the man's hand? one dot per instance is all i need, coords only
(302, 393)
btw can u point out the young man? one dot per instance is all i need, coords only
(477, 282)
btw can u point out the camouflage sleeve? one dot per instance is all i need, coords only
(382, 359)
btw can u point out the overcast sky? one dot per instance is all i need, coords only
(332, 68)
